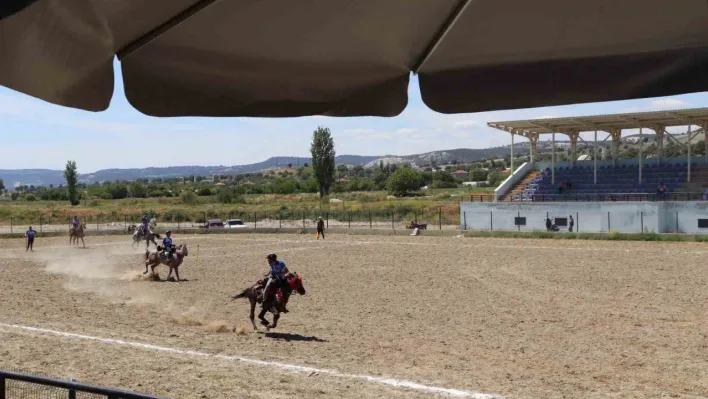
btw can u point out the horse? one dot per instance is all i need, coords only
(154, 259)
(138, 236)
(277, 303)
(76, 233)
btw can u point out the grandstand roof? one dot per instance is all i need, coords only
(652, 120)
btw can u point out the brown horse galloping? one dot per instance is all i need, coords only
(276, 303)
(76, 233)
(154, 259)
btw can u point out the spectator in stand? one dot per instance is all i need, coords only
(561, 187)
(661, 191)
(568, 185)
(571, 223)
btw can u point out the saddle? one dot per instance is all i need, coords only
(279, 294)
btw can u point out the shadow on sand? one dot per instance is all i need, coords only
(292, 337)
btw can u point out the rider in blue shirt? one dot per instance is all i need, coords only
(30, 233)
(277, 276)
(75, 222)
(146, 223)
(167, 244)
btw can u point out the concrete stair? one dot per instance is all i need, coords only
(521, 185)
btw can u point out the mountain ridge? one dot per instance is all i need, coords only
(46, 177)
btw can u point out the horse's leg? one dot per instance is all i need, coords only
(82, 242)
(170, 273)
(152, 269)
(261, 316)
(252, 315)
(146, 266)
(275, 321)
(177, 272)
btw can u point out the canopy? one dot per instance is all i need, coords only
(350, 57)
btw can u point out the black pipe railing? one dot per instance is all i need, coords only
(612, 197)
(72, 388)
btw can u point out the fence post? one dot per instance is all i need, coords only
(12, 223)
(97, 219)
(255, 220)
(40, 222)
(677, 229)
(491, 221)
(392, 217)
(371, 222)
(464, 219)
(2, 387)
(72, 394)
(608, 222)
(280, 221)
(415, 216)
(350, 219)
(518, 215)
(440, 217)
(577, 222)
(303, 219)
(641, 217)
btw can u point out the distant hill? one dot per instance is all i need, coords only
(45, 177)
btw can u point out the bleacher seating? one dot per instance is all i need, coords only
(621, 180)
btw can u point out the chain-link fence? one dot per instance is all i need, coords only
(16, 385)
(402, 217)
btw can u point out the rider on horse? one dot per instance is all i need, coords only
(146, 224)
(168, 246)
(75, 223)
(277, 278)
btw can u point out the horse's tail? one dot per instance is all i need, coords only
(243, 294)
(156, 235)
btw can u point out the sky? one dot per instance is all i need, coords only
(36, 134)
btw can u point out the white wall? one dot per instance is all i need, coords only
(513, 178)
(590, 217)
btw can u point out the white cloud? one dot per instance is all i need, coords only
(465, 124)
(359, 131)
(406, 130)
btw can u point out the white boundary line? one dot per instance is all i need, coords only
(282, 366)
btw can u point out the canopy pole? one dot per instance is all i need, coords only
(440, 36)
(553, 160)
(512, 153)
(639, 155)
(705, 143)
(688, 165)
(594, 159)
(143, 40)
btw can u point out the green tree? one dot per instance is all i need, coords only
(137, 190)
(2, 185)
(322, 150)
(72, 176)
(403, 181)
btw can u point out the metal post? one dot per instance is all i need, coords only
(608, 221)
(594, 159)
(440, 217)
(255, 220)
(303, 219)
(97, 220)
(553, 159)
(577, 222)
(518, 215)
(72, 394)
(2, 387)
(512, 152)
(705, 143)
(350, 219)
(464, 218)
(327, 221)
(370, 220)
(12, 223)
(641, 218)
(392, 217)
(639, 155)
(688, 179)
(491, 221)
(40, 223)
(677, 229)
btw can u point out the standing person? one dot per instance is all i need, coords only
(29, 236)
(320, 228)
(571, 223)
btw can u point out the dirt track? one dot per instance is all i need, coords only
(521, 318)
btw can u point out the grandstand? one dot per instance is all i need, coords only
(610, 179)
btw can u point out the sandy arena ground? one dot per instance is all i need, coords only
(516, 318)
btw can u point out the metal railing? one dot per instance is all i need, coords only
(613, 197)
(482, 198)
(68, 389)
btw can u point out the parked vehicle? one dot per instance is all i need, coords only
(213, 224)
(235, 224)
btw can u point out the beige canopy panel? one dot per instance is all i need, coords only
(608, 123)
(350, 57)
